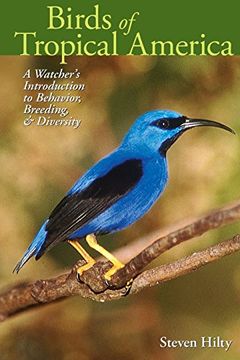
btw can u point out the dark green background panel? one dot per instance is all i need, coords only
(158, 20)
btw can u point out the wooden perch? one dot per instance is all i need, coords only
(93, 286)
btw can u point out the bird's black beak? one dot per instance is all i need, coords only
(191, 123)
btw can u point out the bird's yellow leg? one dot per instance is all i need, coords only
(92, 242)
(89, 260)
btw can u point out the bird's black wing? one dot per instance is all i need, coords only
(78, 209)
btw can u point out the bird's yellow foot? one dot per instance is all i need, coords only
(116, 266)
(128, 287)
(85, 267)
(125, 289)
(89, 260)
(92, 242)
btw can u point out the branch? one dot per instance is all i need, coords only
(26, 295)
(198, 227)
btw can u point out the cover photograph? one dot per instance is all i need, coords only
(119, 157)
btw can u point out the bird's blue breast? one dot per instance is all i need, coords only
(134, 204)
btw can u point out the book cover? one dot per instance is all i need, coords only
(83, 81)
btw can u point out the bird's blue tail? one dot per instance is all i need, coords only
(33, 249)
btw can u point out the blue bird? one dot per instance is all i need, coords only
(117, 191)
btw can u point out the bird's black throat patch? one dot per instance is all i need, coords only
(168, 143)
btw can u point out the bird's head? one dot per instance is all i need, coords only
(157, 130)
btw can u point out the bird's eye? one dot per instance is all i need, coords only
(169, 123)
(163, 123)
